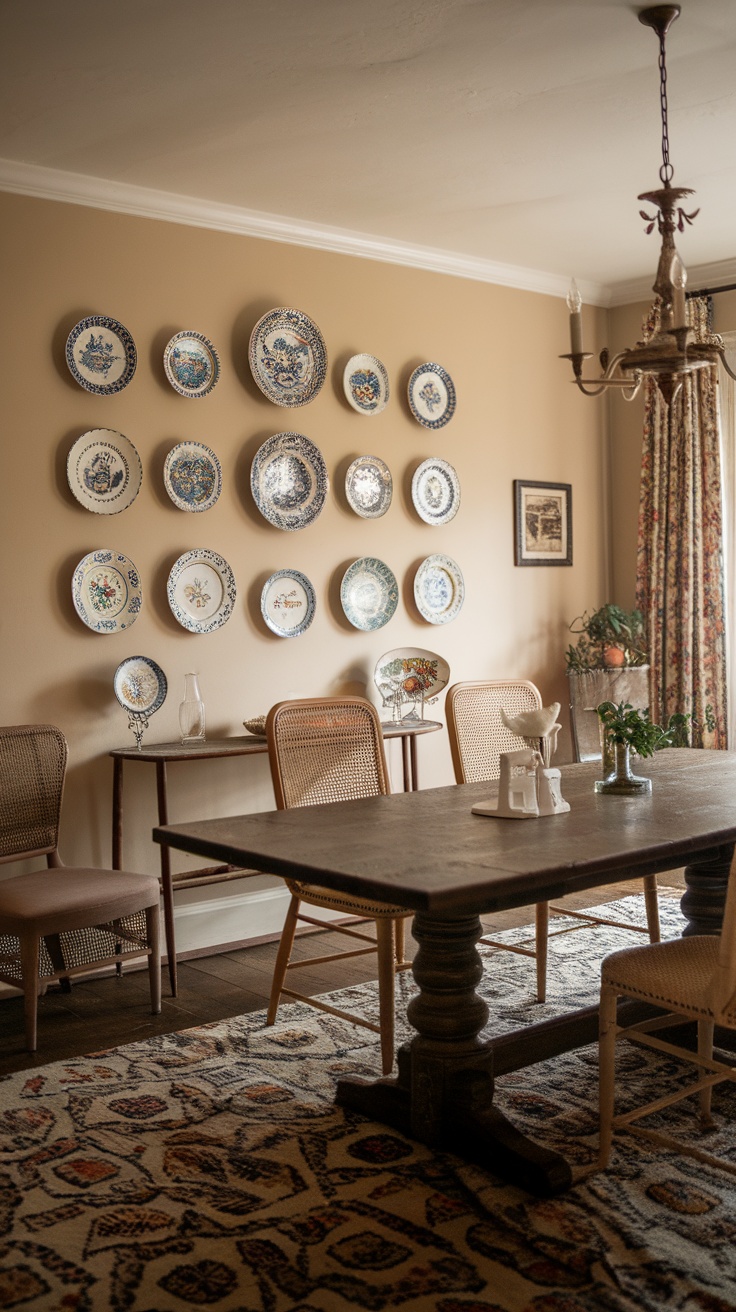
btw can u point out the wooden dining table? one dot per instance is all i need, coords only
(427, 851)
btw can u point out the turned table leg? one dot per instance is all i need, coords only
(706, 881)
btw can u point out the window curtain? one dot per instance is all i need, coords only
(727, 414)
(680, 587)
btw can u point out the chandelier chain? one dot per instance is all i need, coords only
(666, 172)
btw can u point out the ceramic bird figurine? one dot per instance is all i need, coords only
(538, 727)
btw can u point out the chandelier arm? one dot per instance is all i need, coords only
(722, 357)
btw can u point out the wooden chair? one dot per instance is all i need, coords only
(692, 979)
(62, 921)
(477, 738)
(330, 749)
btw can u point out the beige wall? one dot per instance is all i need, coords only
(517, 416)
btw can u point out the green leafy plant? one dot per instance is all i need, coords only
(625, 725)
(603, 632)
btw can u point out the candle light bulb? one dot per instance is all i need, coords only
(574, 302)
(574, 299)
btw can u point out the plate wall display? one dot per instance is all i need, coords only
(288, 479)
(431, 396)
(201, 591)
(435, 491)
(369, 487)
(140, 685)
(439, 589)
(365, 383)
(104, 471)
(192, 476)
(106, 591)
(411, 672)
(101, 355)
(191, 364)
(288, 357)
(369, 593)
(288, 603)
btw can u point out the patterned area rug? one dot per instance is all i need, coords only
(209, 1169)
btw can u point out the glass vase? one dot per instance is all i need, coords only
(621, 780)
(191, 711)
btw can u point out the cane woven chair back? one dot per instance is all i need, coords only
(477, 734)
(32, 766)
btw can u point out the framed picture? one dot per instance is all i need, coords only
(542, 523)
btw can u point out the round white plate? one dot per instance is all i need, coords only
(101, 355)
(192, 476)
(431, 396)
(106, 591)
(104, 471)
(288, 479)
(369, 487)
(365, 383)
(288, 603)
(140, 685)
(288, 357)
(435, 491)
(201, 591)
(439, 589)
(369, 593)
(191, 364)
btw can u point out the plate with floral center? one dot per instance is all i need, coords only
(106, 591)
(201, 591)
(369, 487)
(411, 672)
(288, 479)
(104, 471)
(431, 396)
(365, 383)
(435, 491)
(288, 603)
(439, 589)
(192, 476)
(140, 685)
(101, 355)
(287, 357)
(369, 593)
(191, 364)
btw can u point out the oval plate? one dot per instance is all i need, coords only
(435, 491)
(287, 357)
(369, 593)
(288, 603)
(365, 383)
(140, 685)
(288, 479)
(192, 476)
(439, 589)
(106, 591)
(191, 364)
(104, 471)
(412, 670)
(369, 487)
(431, 396)
(201, 591)
(101, 355)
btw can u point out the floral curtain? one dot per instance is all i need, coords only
(680, 560)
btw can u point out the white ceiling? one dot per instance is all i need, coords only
(512, 131)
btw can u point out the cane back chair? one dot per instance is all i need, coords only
(330, 749)
(62, 921)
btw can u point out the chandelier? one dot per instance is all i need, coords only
(673, 351)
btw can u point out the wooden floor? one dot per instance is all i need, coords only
(105, 1012)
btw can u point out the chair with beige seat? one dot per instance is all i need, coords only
(330, 749)
(61, 921)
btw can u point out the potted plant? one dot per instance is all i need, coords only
(629, 731)
(607, 663)
(610, 638)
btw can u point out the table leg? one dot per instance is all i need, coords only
(166, 885)
(443, 1095)
(117, 813)
(413, 758)
(706, 881)
(406, 763)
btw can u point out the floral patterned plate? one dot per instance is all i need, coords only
(439, 589)
(101, 355)
(191, 364)
(201, 591)
(369, 487)
(409, 675)
(288, 603)
(435, 491)
(365, 383)
(192, 476)
(140, 685)
(369, 594)
(287, 357)
(289, 481)
(431, 396)
(106, 591)
(104, 471)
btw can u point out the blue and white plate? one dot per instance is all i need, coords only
(101, 355)
(369, 487)
(439, 589)
(431, 396)
(365, 383)
(288, 357)
(288, 603)
(104, 471)
(192, 476)
(106, 591)
(140, 685)
(288, 479)
(369, 593)
(201, 591)
(435, 491)
(191, 364)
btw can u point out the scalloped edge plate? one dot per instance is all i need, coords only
(199, 452)
(295, 333)
(303, 449)
(187, 592)
(117, 591)
(201, 348)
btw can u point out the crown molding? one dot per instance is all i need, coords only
(719, 274)
(148, 203)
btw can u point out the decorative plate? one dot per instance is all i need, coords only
(288, 603)
(431, 396)
(256, 726)
(288, 479)
(435, 491)
(288, 357)
(106, 591)
(191, 364)
(104, 471)
(192, 476)
(369, 487)
(201, 591)
(411, 672)
(365, 382)
(369, 594)
(439, 589)
(101, 355)
(140, 685)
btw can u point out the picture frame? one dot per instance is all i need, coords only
(542, 523)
